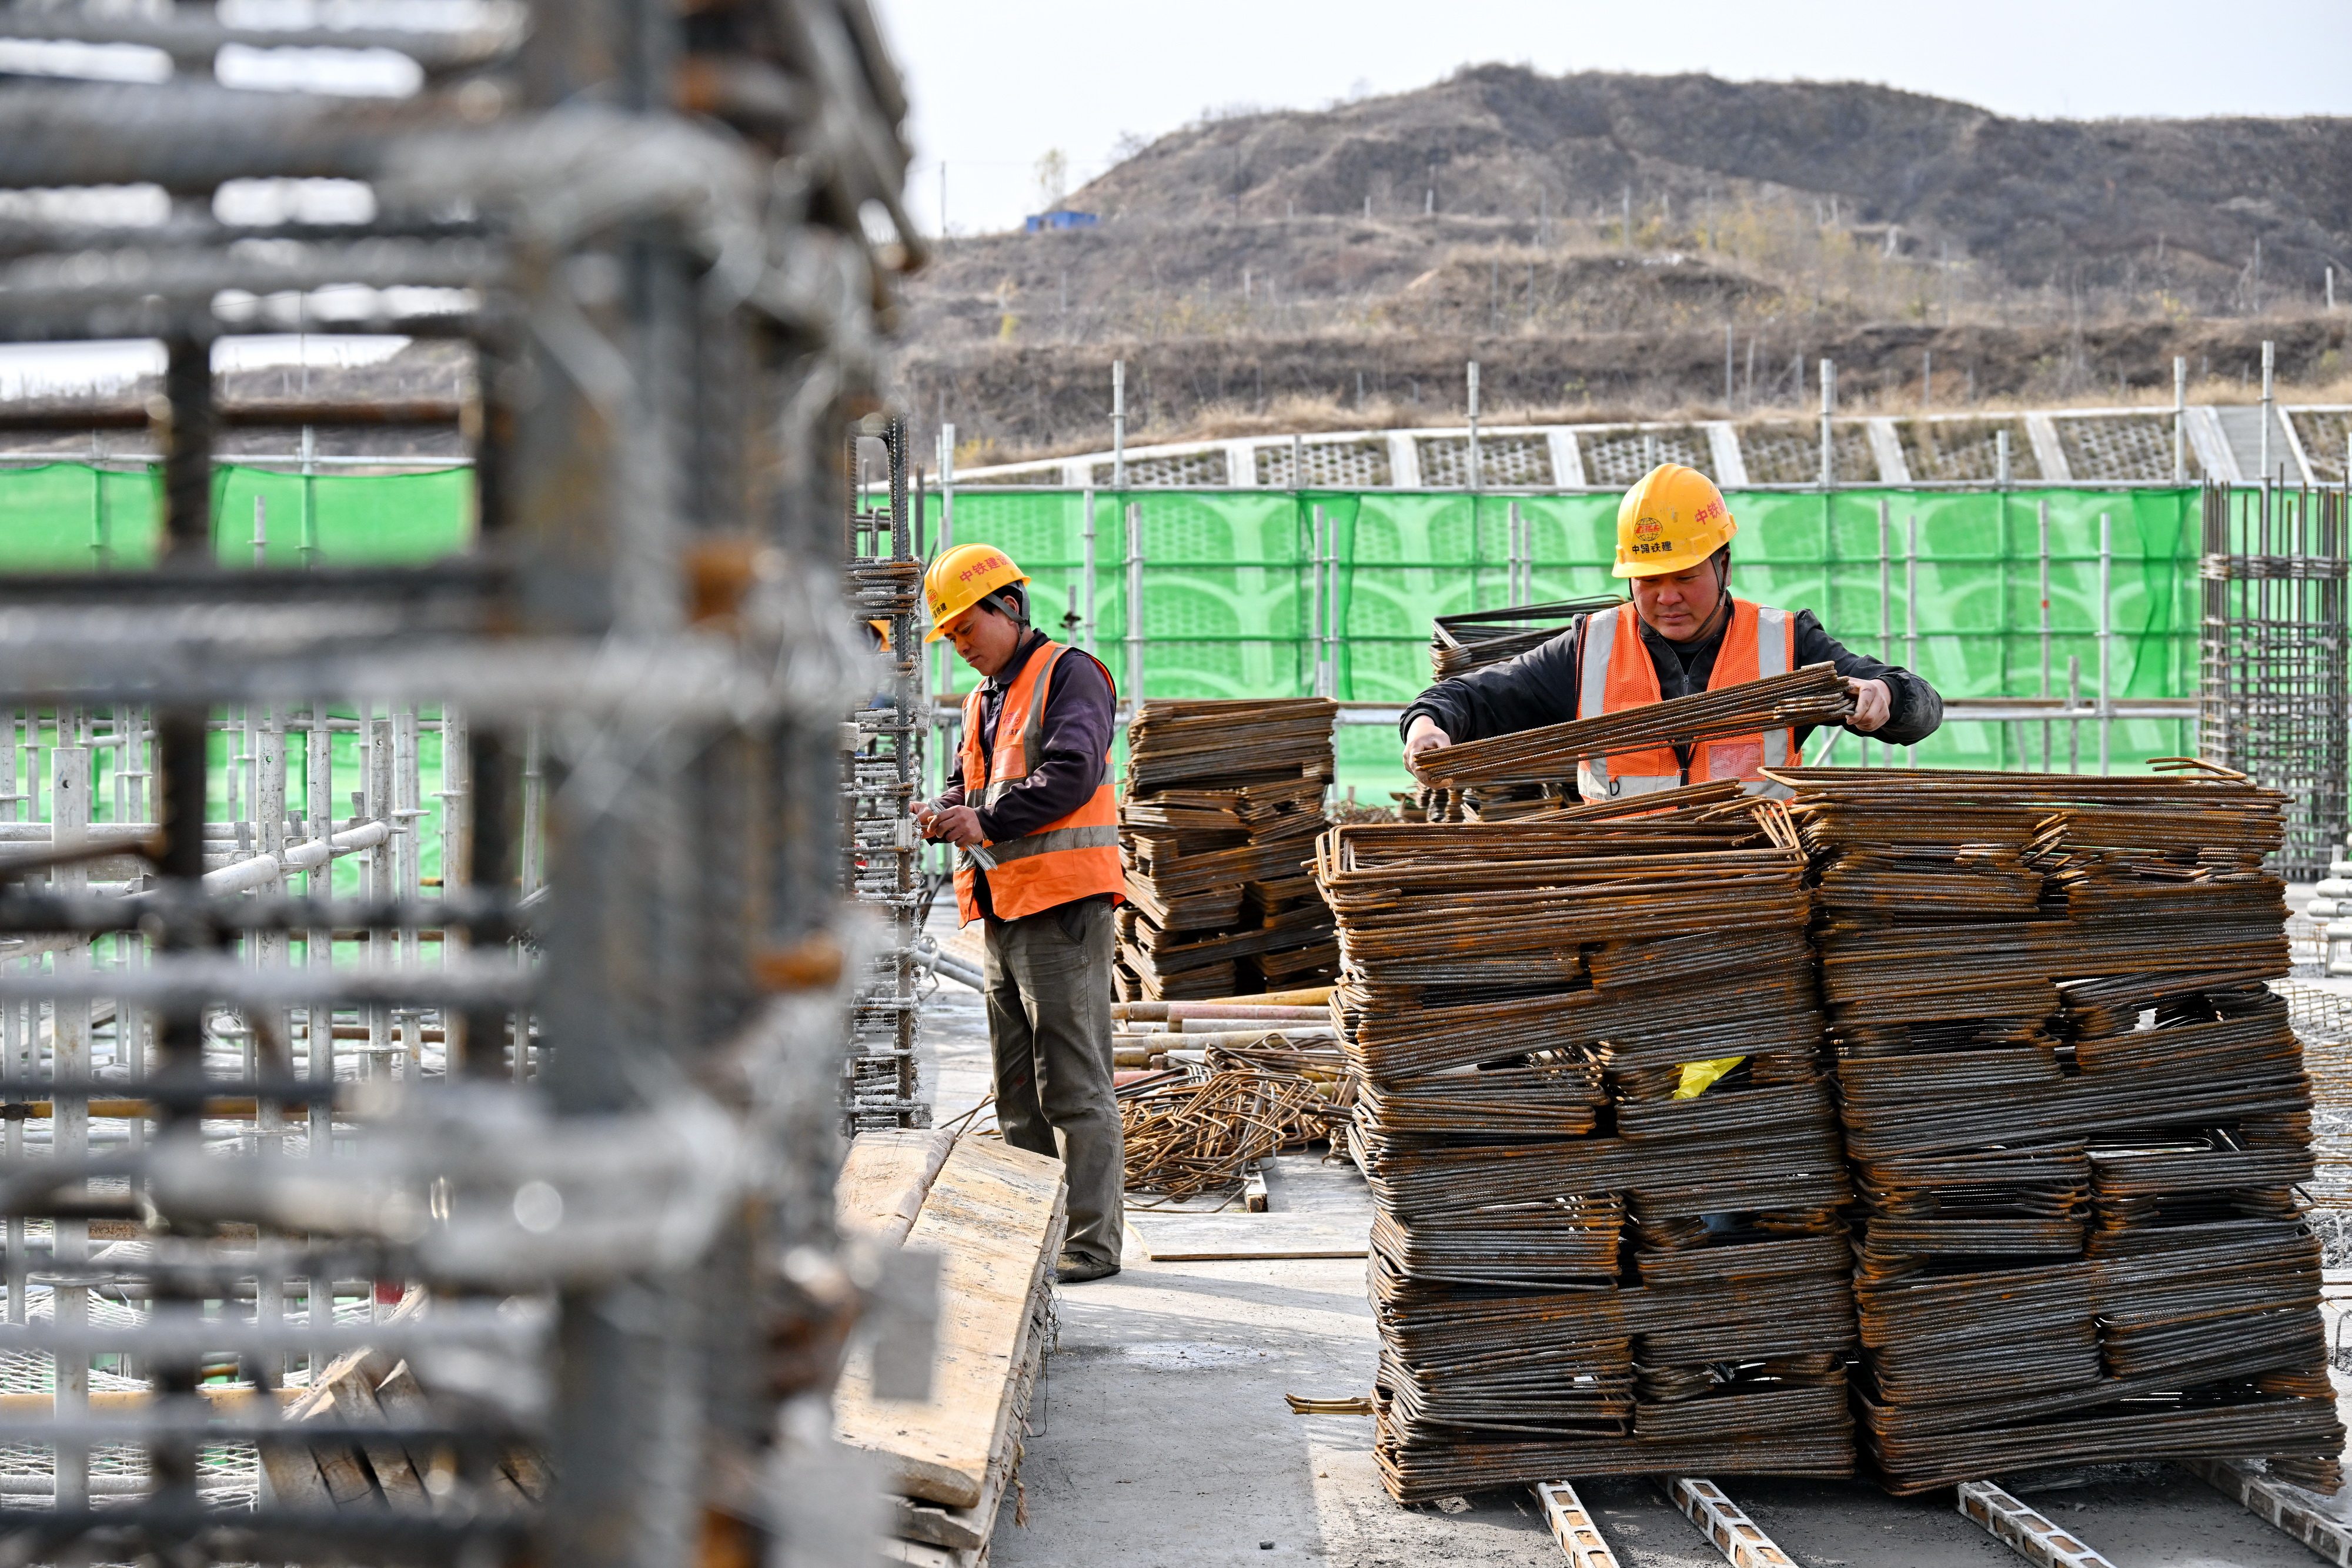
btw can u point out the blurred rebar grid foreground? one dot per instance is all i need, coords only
(883, 764)
(2077, 1118)
(2273, 650)
(518, 1207)
(1578, 1267)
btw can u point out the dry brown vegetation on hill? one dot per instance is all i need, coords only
(1590, 238)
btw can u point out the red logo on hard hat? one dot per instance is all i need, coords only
(1648, 527)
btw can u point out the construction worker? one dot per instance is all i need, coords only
(1036, 824)
(1683, 631)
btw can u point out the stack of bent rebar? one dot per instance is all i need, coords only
(1588, 1257)
(2075, 1115)
(1217, 824)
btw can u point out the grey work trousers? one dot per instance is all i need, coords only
(1049, 995)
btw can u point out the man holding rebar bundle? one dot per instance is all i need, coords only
(1036, 823)
(1683, 631)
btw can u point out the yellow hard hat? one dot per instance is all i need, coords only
(1672, 518)
(881, 629)
(961, 578)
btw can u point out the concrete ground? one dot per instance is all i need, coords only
(1161, 1437)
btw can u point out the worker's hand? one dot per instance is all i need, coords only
(1874, 704)
(958, 825)
(1424, 736)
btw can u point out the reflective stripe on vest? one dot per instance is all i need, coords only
(1614, 672)
(1076, 856)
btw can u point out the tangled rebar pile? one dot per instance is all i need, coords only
(1606, 1166)
(2075, 1115)
(1217, 824)
(1183, 1139)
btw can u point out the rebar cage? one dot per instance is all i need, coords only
(883, 768)
(2271, 672)
(355, 1214)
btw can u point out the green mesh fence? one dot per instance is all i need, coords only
(1227, 582)
(1227, 578)
(70, 517)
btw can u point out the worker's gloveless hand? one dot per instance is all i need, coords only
(1423, 737)
(1874, 704)
(958, 825)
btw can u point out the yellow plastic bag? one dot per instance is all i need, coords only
(1697, 1076)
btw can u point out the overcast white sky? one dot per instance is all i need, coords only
(996, 84)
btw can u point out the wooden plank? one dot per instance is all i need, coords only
(1222, 1237)
(969, 1529)
(883, 1181)
(1572, 1527)
(992, 1216)
(2023, 1530)
(2278, 1504)
(355, 1402)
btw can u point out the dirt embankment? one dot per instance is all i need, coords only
(1013, 401)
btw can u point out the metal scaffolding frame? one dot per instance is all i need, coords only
(2272, 673)
(543, 1154)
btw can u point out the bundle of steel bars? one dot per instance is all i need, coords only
(1592, 1111)
(2076, 1117)
(882, 762)
(1217, 824)
(560, 1099)
(1803, 698)
(1460, 643)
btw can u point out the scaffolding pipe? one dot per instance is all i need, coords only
(1134, 638)
(2106, 630)
(2179, 419)
(1829, 409)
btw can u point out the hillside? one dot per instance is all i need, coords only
(1591, 237)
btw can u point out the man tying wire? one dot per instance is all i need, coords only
(1683, 631)
(1035, 825)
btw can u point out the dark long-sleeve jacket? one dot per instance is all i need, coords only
(1080, 711)
(1540, 686)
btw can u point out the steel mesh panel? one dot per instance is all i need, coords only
(1965, 451)
(1505, 462)
(1330, 465)
(1205, 468)
(1619, 457)
(2117, 448)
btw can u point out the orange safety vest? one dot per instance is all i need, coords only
(1614, 672)
(1072, 857)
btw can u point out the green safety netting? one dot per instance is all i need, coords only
(1227, 578)
(70, 517)
(1226, 590)
(65, 516)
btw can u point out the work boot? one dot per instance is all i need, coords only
(1076, 1269)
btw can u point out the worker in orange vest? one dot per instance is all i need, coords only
(1034, 816)
(1683, 631)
